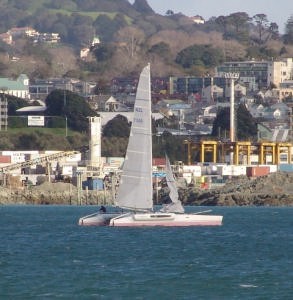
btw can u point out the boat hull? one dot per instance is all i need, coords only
(97, 219)
(165, 219)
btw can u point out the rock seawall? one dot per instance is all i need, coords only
(53, 193)
(275, 189)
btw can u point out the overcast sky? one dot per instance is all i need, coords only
(277, 11)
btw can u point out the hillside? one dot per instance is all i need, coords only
(131, 36)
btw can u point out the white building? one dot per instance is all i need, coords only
(280, 71)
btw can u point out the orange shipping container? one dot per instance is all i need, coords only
(158, 161)
(5, 159)
(257, 171)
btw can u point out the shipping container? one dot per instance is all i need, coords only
(67, 170)
(256, 171)
(225, 170)
(194, 170)
(98, 184)
(5, 159)
(73, 158)
(286, 168)
(16, 156)
(159, 161)
(93, 184)
(273, 168)
(238, 170)
(204, 185)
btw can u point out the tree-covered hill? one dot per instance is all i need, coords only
(132, 35)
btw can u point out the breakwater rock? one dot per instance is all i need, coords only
(53, 193)
(275, 189)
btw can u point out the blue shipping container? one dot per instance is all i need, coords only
(285, 168)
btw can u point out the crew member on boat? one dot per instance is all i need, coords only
(102, 209)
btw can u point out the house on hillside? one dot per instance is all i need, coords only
(84, 52)
(278, 111)
(210, 112)
(212, 93)
(22, 31)
(198, 19)
(239, 91)
(173, 105)
(6, 38)
(114, 105)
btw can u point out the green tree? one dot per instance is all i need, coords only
(240, 21)
(245, 124)
(288, 37)
(274, 31)
(71, 105)
(221, 123)
(239, 26)
(114, 146)
(117, 127)
(169, 12)
(15, 103)
(199, 55)
(222, 21)
(161, 48)
(105, 27)
(261, 52)
(103, 52)
(261, 21)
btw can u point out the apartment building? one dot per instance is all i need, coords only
(264, 72)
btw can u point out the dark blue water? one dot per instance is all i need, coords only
(44, 254)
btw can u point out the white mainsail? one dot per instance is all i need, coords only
(176, 205)
(135, 190)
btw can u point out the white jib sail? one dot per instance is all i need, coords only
(176, 205)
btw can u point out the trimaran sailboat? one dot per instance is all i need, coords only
(135, 192)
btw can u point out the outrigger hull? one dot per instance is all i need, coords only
(97, 219)
(165, 219)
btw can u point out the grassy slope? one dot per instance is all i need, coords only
(38, 4)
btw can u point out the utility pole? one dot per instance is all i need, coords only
(232, 77)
